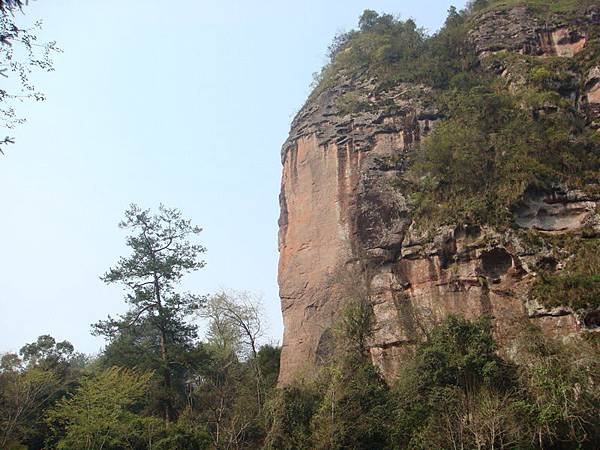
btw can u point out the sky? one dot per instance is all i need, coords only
(150, 103)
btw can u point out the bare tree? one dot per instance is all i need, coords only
(236, 321)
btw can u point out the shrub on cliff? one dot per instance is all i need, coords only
(289, 415)
(494, 142)
(538, 6)
(578, 285)
(494, 145)
(355, 410)
(455, 377)
(391, 50)
(559, 390)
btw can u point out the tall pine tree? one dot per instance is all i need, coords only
(161, 254)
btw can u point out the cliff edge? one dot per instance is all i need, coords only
(359, 210)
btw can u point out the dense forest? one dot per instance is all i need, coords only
(156, 385)
(187, 371)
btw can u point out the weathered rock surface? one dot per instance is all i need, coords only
(339, 205)
(592, 95)
(520, 30)
(557, 211)
(337, 200)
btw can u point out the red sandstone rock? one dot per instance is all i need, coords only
(339, 206)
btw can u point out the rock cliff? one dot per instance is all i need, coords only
(343, 211)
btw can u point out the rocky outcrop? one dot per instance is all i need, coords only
(592, 95)
(557, 211)
(340, 207)
(520, 30)
(337, 201)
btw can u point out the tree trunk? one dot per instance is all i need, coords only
(163, 353)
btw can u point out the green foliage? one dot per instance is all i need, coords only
(157, 320)
(185, 434)
(101, 412)
(45, 372)
(224, 397)
(578, 285)
(493, 146)
(347, 404)
(289, 415)
(24, 393)
(354, 329)
(392, 51)
(154, 385)
(456, 368)
(47, 354)
(460, 353)
(268, 360)
(559, 390)
(456, 392)
(494, 142)
(354, 411)
(351, 102)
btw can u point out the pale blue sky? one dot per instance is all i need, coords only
(150, 103)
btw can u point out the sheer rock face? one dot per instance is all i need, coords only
(340, 204)
(337, 204)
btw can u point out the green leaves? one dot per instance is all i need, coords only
(160, 248)
(390, 50)
(578, 286)
(100, 413)
(460, 353)
(492, 146)
(23, 395)
(162, 252)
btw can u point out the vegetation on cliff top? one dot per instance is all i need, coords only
(509, 124)
(391, 51)
(499, 137)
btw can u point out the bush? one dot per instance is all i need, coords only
(391, 50)
(578, 286)
(493, 146)
(451, 390)
(354, 412)
(289, 414)
(101, 412)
